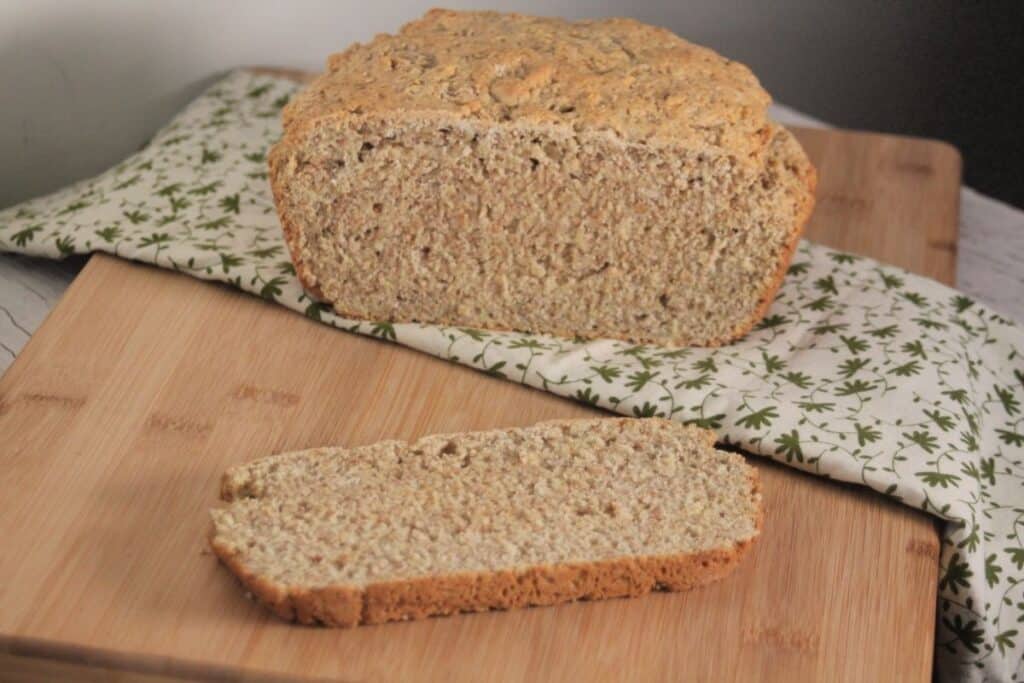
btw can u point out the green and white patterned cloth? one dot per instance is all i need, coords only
(861, 372)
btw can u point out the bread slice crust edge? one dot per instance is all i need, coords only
(419, 598)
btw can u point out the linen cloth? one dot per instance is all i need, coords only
(860, 372)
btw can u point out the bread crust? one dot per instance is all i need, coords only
(419, 598)
(279, 156)
(637, 81)
(809, 176)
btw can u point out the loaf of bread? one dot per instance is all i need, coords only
(566, 510)
(590, 179)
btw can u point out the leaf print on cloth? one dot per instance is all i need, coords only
(859, 372)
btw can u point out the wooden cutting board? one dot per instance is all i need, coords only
(120, 415)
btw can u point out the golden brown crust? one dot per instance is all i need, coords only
(279, 156)
(637, 81)
(478, 592)
(809, 177)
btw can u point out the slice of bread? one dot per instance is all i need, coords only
(560, 511)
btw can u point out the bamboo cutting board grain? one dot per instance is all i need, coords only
(119, 417)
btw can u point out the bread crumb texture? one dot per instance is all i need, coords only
(560, 511)
(593, 179)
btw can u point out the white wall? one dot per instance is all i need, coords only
(85, 83)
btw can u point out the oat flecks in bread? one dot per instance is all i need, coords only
(560, 511)
(594, 179)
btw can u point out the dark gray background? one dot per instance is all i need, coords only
(85, 83)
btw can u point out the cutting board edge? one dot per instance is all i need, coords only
(91, 657)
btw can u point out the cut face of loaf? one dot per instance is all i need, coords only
(599, 179)
(560, 511)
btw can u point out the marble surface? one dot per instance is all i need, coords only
(990, 265)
